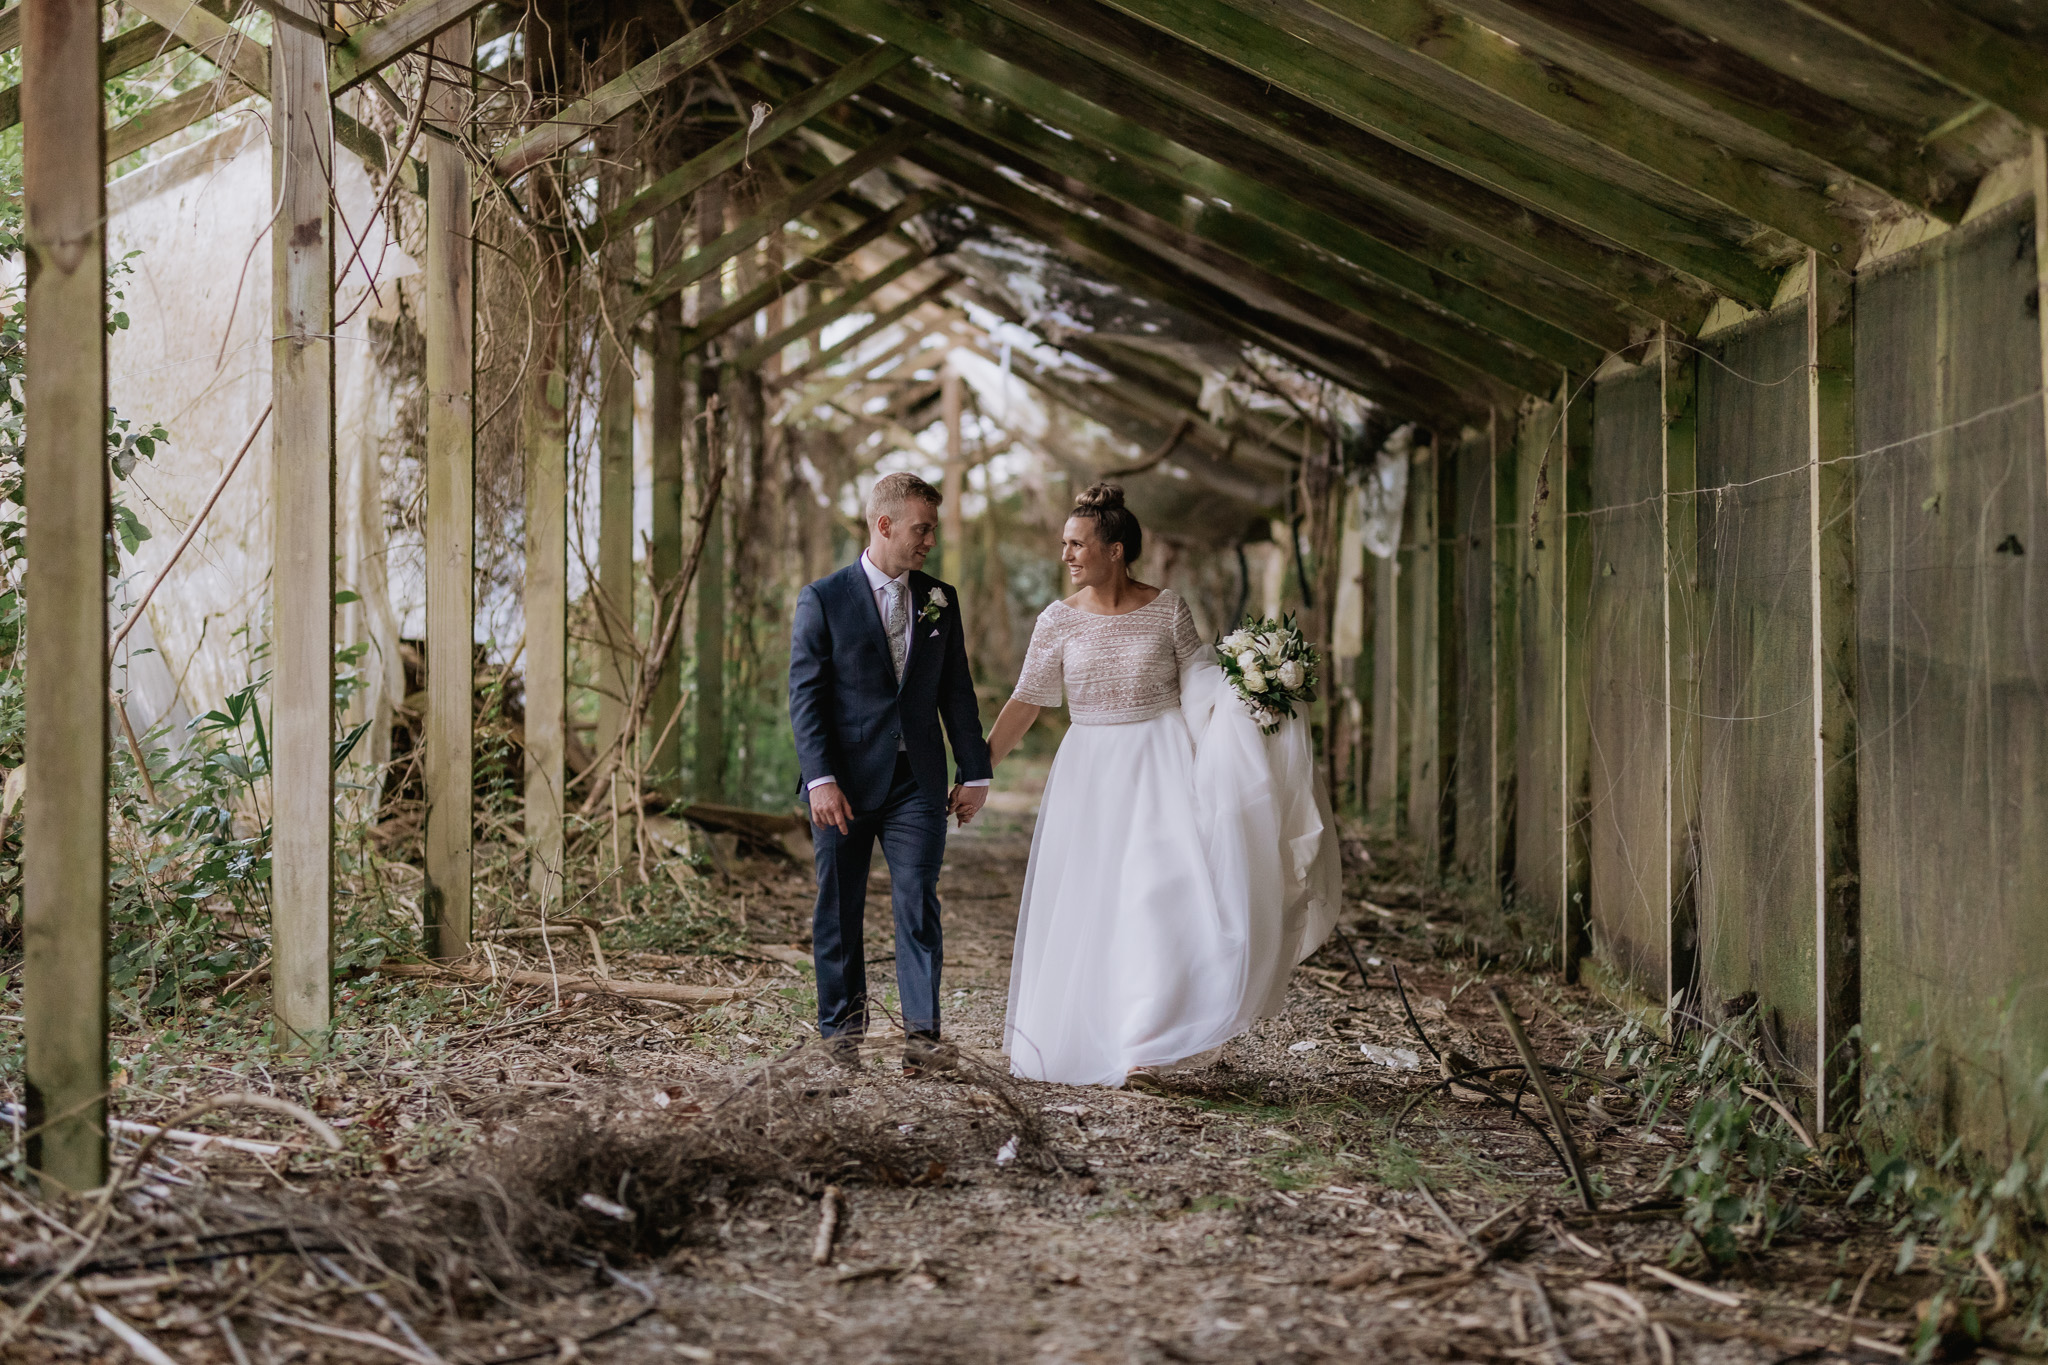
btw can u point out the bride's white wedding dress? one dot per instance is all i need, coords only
(1183, 862)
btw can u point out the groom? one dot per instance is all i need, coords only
(877, 663)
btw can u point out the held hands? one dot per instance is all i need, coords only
(965, 803)
(829, 806)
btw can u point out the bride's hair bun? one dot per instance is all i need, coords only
(1115, 524)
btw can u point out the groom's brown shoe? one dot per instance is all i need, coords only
(926, 1057)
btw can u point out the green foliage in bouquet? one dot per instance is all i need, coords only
(1271, 666)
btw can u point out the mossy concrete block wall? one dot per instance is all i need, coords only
(1756, 791)
(1624, 694)
(1952, 692)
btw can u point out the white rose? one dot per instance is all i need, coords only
(1269, 642)
(938, 597)
(1237, 642)
(1254, 680)
(1292, 674)
(1248, 662)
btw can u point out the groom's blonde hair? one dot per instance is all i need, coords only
(891, 491)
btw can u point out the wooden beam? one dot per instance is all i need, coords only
(213, 38)
(668, 434)
(451, 500)
(617, 177)
(1424, 681)
(1375, 97)
(883, 320)
(809, 268)
(1949, 44)
(302, 575)
(953, 540)
(708, 446)
(544, 434)
(687, 178)
(841, 304)
(1383, 764)
(64, 843)
(1116, 258)
(119, 55)
(1678, 369)
(634, 87)
(1439, 259)
(672, 280)
(1361, 34)
(375, 45)
(1632, 46)
(1362, 162)
(1831, 577)
(1575, 484)
(1505, 600)
(160, 121)
(1200, 228)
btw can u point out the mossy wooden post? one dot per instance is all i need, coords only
(302, 547)
(1449, 664)
(707, 441)
(64, 841)
(1507, 636)
(1831, 578)
(668, 425)
(617, 180)
(544, 431)
(1682, 615)
(1383, 764)
(1574, 718)
(1421, 680)
(451, 499)
(953, 538)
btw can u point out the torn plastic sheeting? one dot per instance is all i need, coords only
(1382, 492)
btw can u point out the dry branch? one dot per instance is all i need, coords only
(828, 1226)
(671, 992)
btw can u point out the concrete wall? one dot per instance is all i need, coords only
(1634, 672)
(1952, 692)
(1624, 696)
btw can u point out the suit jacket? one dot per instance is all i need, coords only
(846, 707)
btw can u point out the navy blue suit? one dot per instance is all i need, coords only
(885, 744)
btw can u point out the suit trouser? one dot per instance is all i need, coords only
(912, 831)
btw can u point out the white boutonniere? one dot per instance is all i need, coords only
(933, 605)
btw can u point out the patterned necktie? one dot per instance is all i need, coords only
(896, 621)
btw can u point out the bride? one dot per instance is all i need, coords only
(1183, 862)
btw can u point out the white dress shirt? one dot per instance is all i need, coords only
(878, 586)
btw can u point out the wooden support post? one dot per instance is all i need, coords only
(451, 500)
(1507, 637)
(64, 843)
(1422, 681)
(613, 599)
(1449, 648)
(707, 441)
(544, 427)
(669, 427)
(2040, 140)
(953, 538)
(302, 576)
(1679, 371)
(1831, 511)
(1576, 565)
(1383, 771)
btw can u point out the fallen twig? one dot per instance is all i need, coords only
(1543, 1092)
(634, 990)
(1798, 1128)
(828, 1226)
(143, 1347)
(1693, 1287)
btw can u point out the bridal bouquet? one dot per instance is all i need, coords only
(1271, 666)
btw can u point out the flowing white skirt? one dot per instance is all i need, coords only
(1180, 868)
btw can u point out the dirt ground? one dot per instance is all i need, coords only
(1261, 1209)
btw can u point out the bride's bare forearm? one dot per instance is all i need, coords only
(1016, 718)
